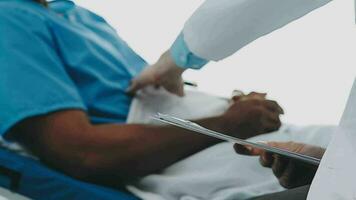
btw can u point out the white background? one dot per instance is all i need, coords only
(308, 66)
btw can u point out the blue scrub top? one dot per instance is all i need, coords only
(63, 57)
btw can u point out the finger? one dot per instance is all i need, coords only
(175, 88)
(271, 120)
(236, 98)
(272, 116)
(180, 89)
(247, 150)
(266, 159)
(279, 165)
(243, 150)
(138, 84)
(274, 106)
(133, 88)
(288, 178)
(236, 95)
(269, 125)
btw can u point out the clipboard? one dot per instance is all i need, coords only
(188, 125)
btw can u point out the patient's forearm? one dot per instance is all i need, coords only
(136, 150)
(67, 141)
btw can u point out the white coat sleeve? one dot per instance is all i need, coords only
(219, 28)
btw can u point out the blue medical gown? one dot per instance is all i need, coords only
(63, 57)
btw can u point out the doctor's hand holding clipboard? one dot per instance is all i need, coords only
(290, 173)
(294, 164)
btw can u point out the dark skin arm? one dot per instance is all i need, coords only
(68, 141)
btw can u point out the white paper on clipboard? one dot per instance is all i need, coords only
(185, 124)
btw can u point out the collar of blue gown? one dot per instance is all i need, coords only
(61, 6)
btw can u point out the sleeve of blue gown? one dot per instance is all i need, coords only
(33, 81)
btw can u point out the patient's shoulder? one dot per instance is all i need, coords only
(22, 10)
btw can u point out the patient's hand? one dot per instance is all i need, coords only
(290, 173)
(251, 115)
(238, 95)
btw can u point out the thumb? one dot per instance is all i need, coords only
(147, 77)
(180, 89)
(132, 89)
(176, 88)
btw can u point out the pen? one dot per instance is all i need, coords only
(193, 84)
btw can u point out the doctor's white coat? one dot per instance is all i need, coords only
(219, 28)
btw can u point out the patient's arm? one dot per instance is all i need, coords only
(68, 141)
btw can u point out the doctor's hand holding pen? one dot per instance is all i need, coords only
(289, 172)
(163, 73)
